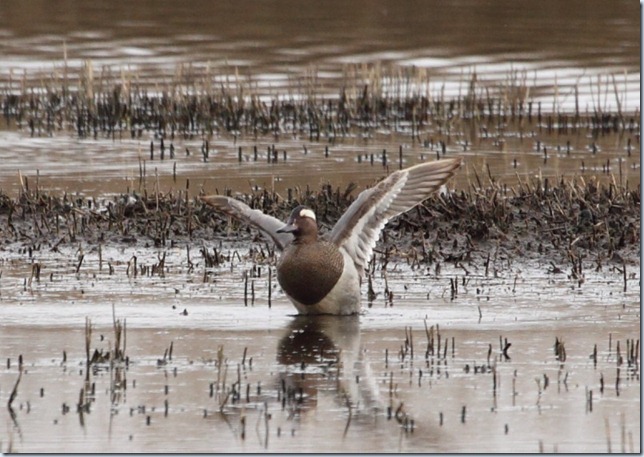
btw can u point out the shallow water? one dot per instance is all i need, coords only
(274, 45)
(304, 373)
(328, 384)
(280, 38)
(101, 168)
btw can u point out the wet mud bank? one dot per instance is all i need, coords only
(566, 224)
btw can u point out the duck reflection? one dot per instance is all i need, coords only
(321, 355)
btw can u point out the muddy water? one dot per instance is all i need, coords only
(324, 384)
(101, 168)
(571, 56)
(329, 384)
(278, 38)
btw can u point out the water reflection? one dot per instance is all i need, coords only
(322, 355)
(277, 41)
(285, 33)
(311, 387)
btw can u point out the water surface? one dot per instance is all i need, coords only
(366, 384)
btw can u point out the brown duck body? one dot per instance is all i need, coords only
(307, 272)
(316, 275)
(328, 283)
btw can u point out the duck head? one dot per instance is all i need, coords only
(302, 224)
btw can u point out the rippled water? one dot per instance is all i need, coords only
(275, 38)
(555, 47)
(315, 377)
(324, 385)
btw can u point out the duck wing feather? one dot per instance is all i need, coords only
(358, 230)
(241, 211)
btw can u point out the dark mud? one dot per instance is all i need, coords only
(561, 223)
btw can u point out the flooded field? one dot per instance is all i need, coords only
(527, 360)
(505, 318)
(566, 105)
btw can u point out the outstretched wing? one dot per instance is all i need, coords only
(359, 227)
(243, 212)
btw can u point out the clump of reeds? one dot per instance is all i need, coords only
(565, 221)
(195, 102)
(112, 359)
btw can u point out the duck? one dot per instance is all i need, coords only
(322, 274)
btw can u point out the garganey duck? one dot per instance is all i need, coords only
(322, 274)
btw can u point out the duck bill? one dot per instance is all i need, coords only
(288, 228)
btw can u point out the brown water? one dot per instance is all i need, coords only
(274, 46)
(343, 375)
(326, 363)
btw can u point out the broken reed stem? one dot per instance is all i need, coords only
(120, 337)
(270, 285)
(88, 343)
(14, 391)
(350, 415)
(625, 279)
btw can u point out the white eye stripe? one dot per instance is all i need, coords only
(307, 213)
